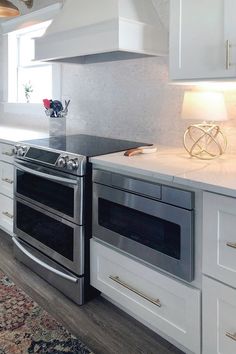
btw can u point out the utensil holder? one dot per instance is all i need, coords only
(57, 127)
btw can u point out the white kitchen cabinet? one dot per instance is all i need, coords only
(6, 214)
(6, 179)
(6, 152)
(219, 318)
(219, 237)
(6, 187)
(199, 31)
(158, 300)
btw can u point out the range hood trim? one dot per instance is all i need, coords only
(116, 35)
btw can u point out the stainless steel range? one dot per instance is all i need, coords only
(53, 205)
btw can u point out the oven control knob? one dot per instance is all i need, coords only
(62, 161)
(21, 150)
(73, 164)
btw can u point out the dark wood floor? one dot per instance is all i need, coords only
(99, 324)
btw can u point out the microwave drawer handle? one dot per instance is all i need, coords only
(45, 175)
(139, 293)
(42, 264)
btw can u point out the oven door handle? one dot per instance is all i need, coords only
(45, 175)
(43, 264)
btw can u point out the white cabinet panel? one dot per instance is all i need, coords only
(219, 237)
(6, 187)
(165, 304)
(6, 152)
(6, 179)
(219, 318)
(6, 213)
(230, 34)
(198, 34)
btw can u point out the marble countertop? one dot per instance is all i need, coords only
(174, 165)
(14, 134)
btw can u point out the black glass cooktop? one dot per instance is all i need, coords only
(86, 145)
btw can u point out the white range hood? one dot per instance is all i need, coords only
(103, 30)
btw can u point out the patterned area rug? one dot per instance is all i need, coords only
(26, 328)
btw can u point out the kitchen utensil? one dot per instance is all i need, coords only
(141, 150)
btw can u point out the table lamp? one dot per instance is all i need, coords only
(204, 140)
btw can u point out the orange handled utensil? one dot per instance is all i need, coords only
(141, 150)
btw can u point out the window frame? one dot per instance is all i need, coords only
(13, 25)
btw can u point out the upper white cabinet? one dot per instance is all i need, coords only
(202, 39)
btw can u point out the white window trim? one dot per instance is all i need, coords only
(15, 24)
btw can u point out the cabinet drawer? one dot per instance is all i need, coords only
(6, 213)
(161, 302)
(6, 152)
(219, 318)
(6, 179)
(219, 237)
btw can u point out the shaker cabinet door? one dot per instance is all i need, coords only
(159, 301)
(219, 318)
(230, 36)
(6, 179)
(6, 214)
(202, 39)
(219, 237)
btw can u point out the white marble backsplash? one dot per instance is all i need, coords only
(126, 99)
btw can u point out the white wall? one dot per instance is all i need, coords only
(127, 99)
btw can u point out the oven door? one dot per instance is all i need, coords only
(57, 238)
(152, 231)
(54, 191)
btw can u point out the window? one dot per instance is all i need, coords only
(27, 81)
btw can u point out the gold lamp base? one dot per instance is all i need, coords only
(205, 141)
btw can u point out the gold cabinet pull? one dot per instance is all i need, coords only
(127, 286)
(231, 336)
(7, 153)
(227, 54)
(5, 213)
(8, 180)
(231, 244)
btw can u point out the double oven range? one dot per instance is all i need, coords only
(53, 208)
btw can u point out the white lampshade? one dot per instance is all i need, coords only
(204, 106)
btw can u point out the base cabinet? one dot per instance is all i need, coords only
(6, 214)
(165, 304)
(219, 318)
(6, 187)
(6, 179)
(219, 237)
(6, 153)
